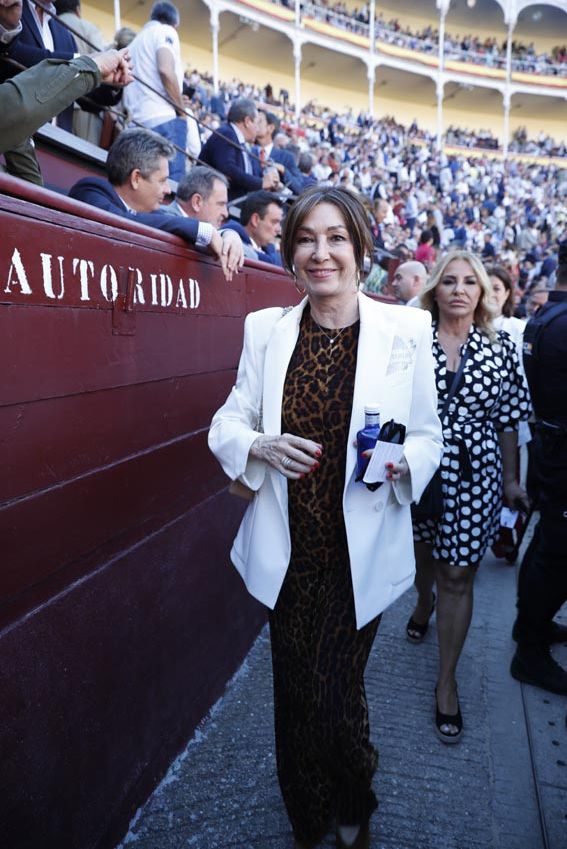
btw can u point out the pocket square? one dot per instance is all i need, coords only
(401, 356)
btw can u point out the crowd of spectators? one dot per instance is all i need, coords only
(314, 115)
(419, 201)
(422, 202)
(489, 50)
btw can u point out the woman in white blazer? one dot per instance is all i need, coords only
(326, 554)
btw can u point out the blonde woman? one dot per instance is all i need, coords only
(481, 367)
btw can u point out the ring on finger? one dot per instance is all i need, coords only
(286, 462)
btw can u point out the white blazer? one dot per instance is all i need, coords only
(394, 367)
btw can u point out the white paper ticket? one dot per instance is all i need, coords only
(508, 518)
(384, 452)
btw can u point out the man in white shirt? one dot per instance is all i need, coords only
(157, 59)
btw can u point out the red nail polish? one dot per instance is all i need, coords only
(318, 453)
(389, 476)
(389, 465)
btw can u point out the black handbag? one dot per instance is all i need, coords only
(430, 505)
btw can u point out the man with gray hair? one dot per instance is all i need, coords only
(202, 195)
(228, 151)
(137, 168)
(408, 282)
(156, 57)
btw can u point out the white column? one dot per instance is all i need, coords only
(297, 12)
(440, 75)
(440, 94)
(117, 23)
(507, 94)
(371, 66)
(371, 79)
(297, 63)
(215, 37)
(507, 100)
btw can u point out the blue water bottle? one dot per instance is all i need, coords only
(367, 437)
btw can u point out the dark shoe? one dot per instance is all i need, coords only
(538, 668)
(362, 839)
(306, 844)
(448, 719)
(556, 633)
(416, 632)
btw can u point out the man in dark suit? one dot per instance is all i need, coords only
(30, 48)
(202, 195)
(234, 160)
(43, 37)
(30, 98)
(268, 126)
(138, 167)
(305, 166)
(259, 226)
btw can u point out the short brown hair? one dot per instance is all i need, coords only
(352, 210)
(500, 272)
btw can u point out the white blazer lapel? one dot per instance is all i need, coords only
(374, 349)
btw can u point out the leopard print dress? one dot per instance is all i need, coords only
(325, 760)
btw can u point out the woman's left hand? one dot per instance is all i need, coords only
(515, 493)
(397, 471)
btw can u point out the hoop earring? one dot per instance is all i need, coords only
(357, 281)
(301, 291)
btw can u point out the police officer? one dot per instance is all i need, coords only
(542, 584)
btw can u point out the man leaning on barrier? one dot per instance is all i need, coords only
(202, 194)
(137, 166)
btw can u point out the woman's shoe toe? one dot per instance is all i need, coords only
(415, 632)
(361, 841)
(454, 720)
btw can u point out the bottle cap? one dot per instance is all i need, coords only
(372, 409)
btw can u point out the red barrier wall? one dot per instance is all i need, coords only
(121, 619)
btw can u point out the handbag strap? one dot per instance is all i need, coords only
(454, 385)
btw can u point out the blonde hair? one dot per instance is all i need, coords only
(484, 313)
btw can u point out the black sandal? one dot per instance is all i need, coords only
(455, 719)
(416, 632)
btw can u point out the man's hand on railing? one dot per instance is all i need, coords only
(271, 179)
(115, 66)
(227, 248)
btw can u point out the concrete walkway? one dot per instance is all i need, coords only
(503, 787)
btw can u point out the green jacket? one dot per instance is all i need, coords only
(35, 96)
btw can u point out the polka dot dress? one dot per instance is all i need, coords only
(492, 397)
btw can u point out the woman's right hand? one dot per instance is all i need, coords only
(290, 455)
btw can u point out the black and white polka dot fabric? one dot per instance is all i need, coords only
(492, 397)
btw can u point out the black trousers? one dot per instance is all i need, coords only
(542, 582)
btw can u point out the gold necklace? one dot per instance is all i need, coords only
(332, 339)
